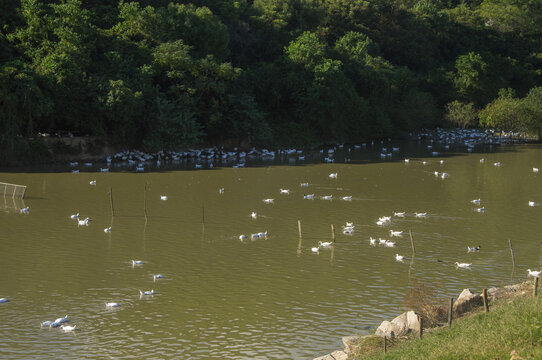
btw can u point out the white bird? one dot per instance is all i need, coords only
(389, 243)
(138, 262)
(104, 169)
(379, 222)
(262, 234)
(444, 175)
(382, 241)
(534, 273)
(396, 233)
(497, 164)
(324, 244)
(3, 300)
(347, 198)
(532, 203)
(254, 215)
(420, 215)
(268, 201)
(399, 257)
(326, 197)
(463, 265)
(148, 292)
(441, 162)
(67, 327)
(46, 324)
(83, 222)
(482, 161)
(107, 230)
(242, 237)
(163, 197)
(535, 170)
(372, 241)
(424, 162)
(476, 201)
(349, 224)
(347, 231)
(221, 191)
(112, 304)
(157, 276)
(74, 216)
(92, 182)
(305, 184)
(473, 248)
(482, 209)
(308, 196)
(254, 236)
(315, 249)
(25, 210)
(399, 214)
(75, 171)
(285, 191)
(407, 161)
(333, 175)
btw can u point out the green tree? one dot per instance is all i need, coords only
(461, 114)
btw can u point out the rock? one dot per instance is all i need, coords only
(400, 326)
(336, 355)
(467, 301)
(351, 343)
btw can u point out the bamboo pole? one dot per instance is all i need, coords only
(385, 344)
(512, 251)
(333, 233)
(412, 242)
(535, 290)
(421, 325)
(450, 312)
(145, 201)
(299, 229)
(111, 201)
(486, 303)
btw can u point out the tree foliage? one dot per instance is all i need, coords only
(170, 74)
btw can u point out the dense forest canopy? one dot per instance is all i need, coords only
(169, 74)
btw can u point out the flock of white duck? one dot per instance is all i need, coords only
(469, 139)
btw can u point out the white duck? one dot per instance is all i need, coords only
(163, 197)
(532, 203)
(399, 214)
(389, 243)
(476, 201)
(396, 233)
(324, 244)
(67, 327)
(473, 248)
(372, 241)
(535, 170)
(534, 273)
(74, 216)
(285, 191)
(347, 198)
(327, 197)
(268, 201)
(92, 182)
(308, 196)
(3, 300)
(420, 215)
(137, 262)
(242, 237)
(157, 276)
(25, 210)
(148, 292)
(463, 265)
(112, 304)
(83, 222)
(315, 249)
(399, 257)
(333, 175)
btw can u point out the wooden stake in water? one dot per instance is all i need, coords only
(484, 296)
(421, 325)
(512, 251)
(412, 241)
(535, 290)
(450, 312)
(111, 201)
(145, 201)
(333, 233)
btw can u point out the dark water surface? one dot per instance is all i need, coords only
(267, 298)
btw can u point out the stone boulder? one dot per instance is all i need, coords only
(400, 326)
(336, 355)
(351, 343)
(467, 301)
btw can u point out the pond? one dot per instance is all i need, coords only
(269, 297)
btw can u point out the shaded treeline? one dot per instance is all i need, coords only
(165, 75)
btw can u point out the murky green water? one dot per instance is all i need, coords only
(268, 298)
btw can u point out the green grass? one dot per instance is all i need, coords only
(508, 326)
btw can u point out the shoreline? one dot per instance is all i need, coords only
(407, 324)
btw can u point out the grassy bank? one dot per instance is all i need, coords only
(511, 325)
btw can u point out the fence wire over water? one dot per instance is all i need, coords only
(12, 196)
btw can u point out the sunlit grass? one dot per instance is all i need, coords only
(513, 325)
